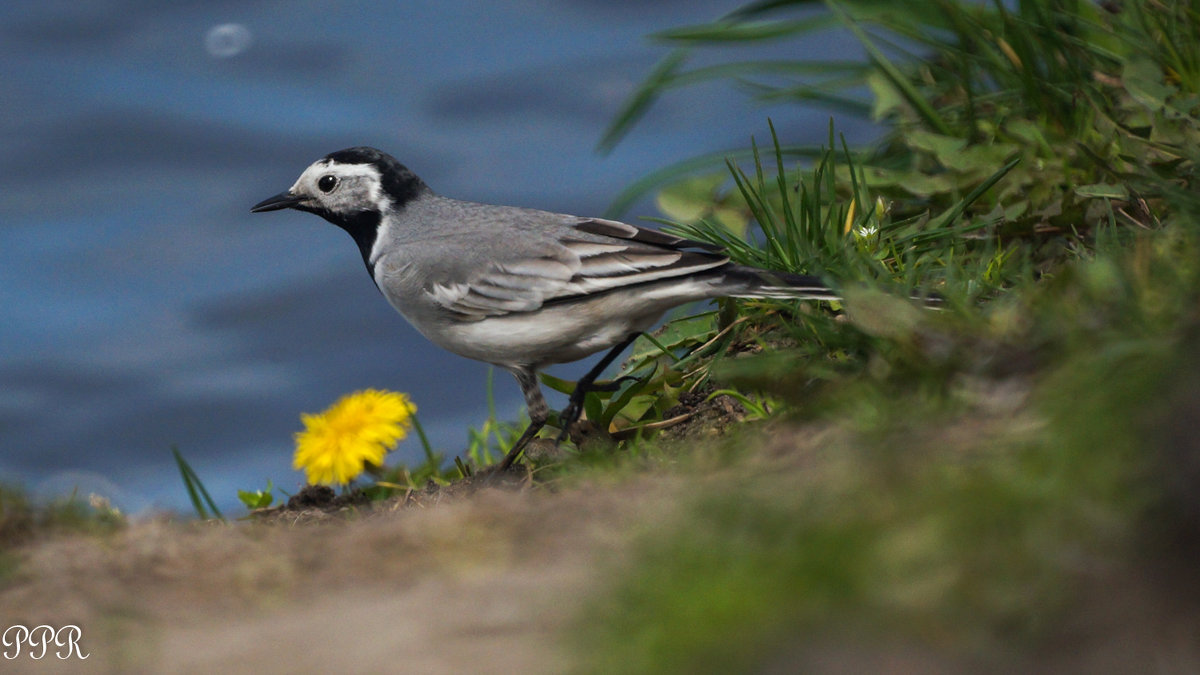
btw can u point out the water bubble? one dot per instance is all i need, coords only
(227, 39)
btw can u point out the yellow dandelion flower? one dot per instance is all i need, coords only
(358, 430)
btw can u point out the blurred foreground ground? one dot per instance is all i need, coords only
(506, 580)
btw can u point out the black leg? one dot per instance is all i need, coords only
(539, 412)
(574, 408)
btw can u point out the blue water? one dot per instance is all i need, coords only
(143, 307)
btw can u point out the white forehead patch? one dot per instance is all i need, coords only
(359, 187)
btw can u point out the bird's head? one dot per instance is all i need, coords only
(353, 189)
(344, 185)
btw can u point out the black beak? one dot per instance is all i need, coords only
(283, 200)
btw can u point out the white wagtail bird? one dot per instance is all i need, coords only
(518, 288)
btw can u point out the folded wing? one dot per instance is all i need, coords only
(583, 257)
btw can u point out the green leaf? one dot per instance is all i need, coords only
(980, 158)
(690, 198)
(918, 184)
(955, 154)
(693, 330)
(557, 383)
(635, 408)
(621, 404)
(1029, 132)
(1103, 190)
(259, 499)
(698, 197)
(937, 145)
(887, 98)
(593, 407)
(1143, 79)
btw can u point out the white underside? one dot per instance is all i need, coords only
(560, 332)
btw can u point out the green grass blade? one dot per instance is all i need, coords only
(661, 347)
(850, 71)
(745, 31)
(195, 489)
(791, 240)
(902, 83)
(642, 99)
(812, 94)
(425, 446)
(490, 394)
(184, 473)
(658, 179)
(957, 210)
(765, 7)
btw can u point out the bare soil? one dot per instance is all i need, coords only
(480, 577)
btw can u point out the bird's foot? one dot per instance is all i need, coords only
(571, 414)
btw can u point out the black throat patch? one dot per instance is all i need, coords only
(399, 184)
(362, 226)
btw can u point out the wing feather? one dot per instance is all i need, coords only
(581, 257)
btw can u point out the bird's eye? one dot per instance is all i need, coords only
(327, 183)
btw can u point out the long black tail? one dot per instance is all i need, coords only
(750, 282)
